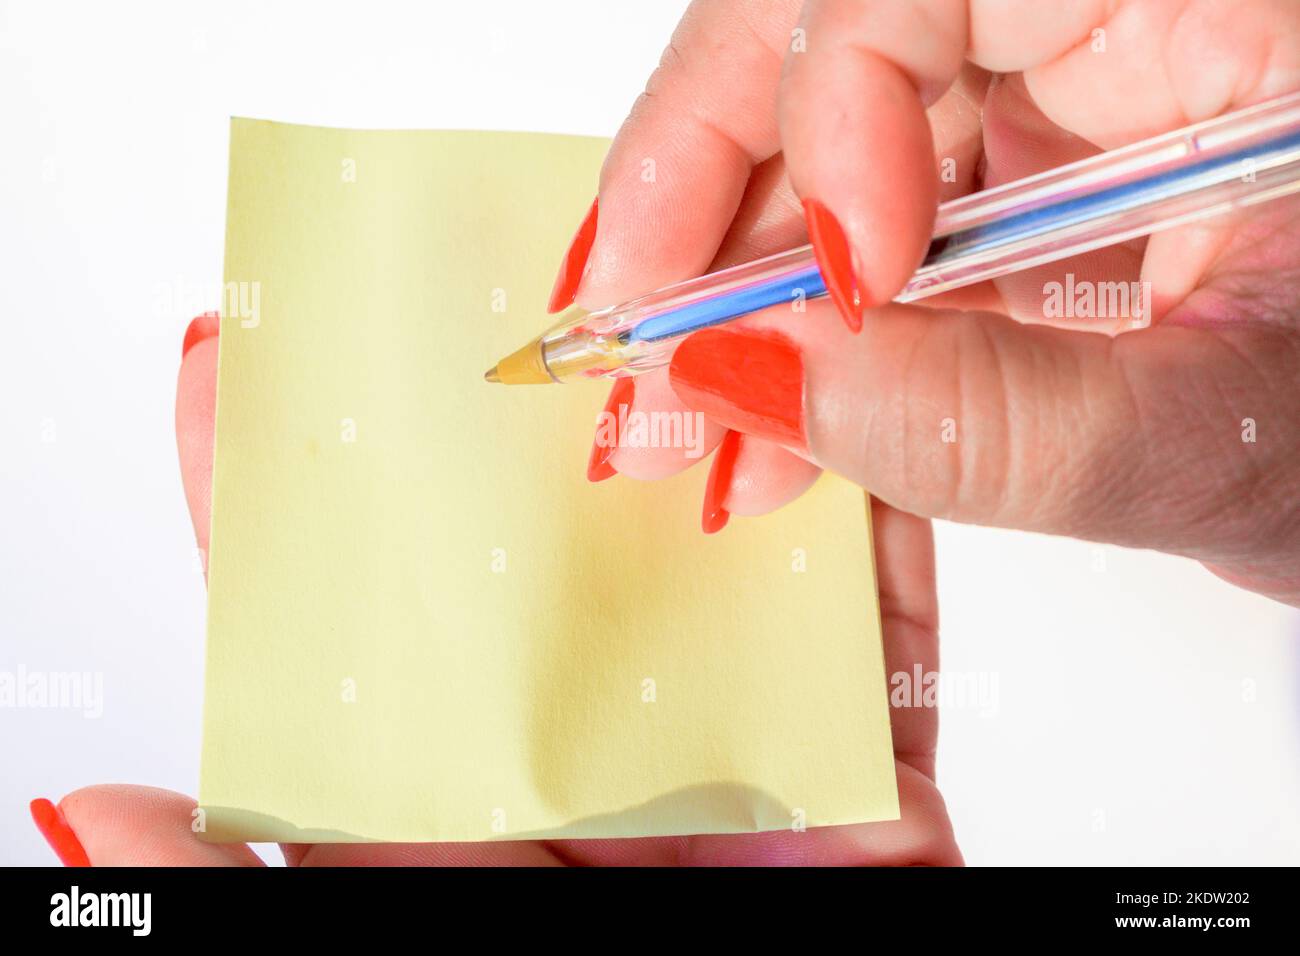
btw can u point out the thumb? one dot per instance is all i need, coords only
(118, 825)
(1135, 440)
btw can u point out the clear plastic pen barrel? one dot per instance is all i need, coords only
(1247, 157)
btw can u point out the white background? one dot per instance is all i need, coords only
(1145, 712)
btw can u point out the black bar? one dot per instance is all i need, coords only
(987, 906)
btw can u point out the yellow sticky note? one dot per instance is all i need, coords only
(424, 623)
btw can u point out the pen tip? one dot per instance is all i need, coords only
(491, 375)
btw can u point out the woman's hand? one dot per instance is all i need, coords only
(121, 825)
(1184, 437)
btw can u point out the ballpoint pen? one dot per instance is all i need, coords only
(1237, 160)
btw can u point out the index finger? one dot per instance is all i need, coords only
(196, 415)
(678, 168)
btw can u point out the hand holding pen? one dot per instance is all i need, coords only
(1180, 437)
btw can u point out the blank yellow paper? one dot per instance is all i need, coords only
(424, 623)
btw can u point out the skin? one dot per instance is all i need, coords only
(121, 825)
(1134, 440)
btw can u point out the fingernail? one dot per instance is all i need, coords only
(749, 381)
(715, 492)
(202, 327)
(50, 820)
(835, 260)
(607, 426)
(575, 260)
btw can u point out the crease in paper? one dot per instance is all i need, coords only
(424, 624)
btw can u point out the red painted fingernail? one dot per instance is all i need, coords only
(749, 381)
(835, 260)
(575, 260)
(715, 492)
(202, 327)
(607, 427)
(54, 827)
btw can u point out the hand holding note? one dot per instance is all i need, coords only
(129, 825)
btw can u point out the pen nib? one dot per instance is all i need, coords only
(491, 375)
